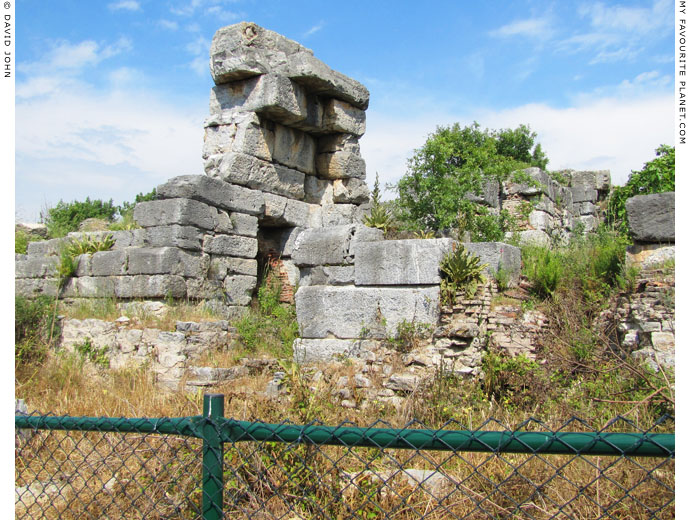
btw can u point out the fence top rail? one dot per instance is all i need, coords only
(642, 444)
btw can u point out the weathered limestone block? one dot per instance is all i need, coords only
(123, 239)
(83, 265)
(318, 350)
(400, 262)
(340, 165)
(223, 266)
(318, 191)
(332, 245)
(150, 286)
(488, 195)
(109, 263)
(293, 148)
(585, 208)
(281, 211)
(348, 312)
(647, 256)
(90, 287)
(184, 212)
(204, 289)
(237, 224)
(239, 288)
(327, 275)
(185, 237)
(244, 50)
(213, 192)
(46, 247)
(272, 96)
(338, 143)
(599, 180)
(341, 117)
(254, 173)
(353, 191)
(540, 220)
(339, 214)
(165, 260)
(32, 287)
(231, 245)
(540, 183)
(588, 222)
(36, 267)
(499, 256)
(652, 217)
(218, 139)
(583, 194)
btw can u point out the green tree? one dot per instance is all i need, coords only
(455, 161)
(66, 216)
(657, 176)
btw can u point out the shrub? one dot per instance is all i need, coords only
(66, 216)
(544, 268)
(34, 328)
(21, 241)
(460, 270)
(513, 381)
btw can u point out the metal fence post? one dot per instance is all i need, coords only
(212, 477)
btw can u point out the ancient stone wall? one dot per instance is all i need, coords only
(652, 223)
(546, 211)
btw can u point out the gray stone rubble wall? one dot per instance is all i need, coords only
(546, 210)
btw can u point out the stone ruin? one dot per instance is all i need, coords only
(284, 186)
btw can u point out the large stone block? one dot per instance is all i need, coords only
(327, 275)
(36, 267)
(339, 143)
(32, 287)
(185, 237)
(254, 173)
(341, 117)
(109, 263)
(164, 260)
(244, 50)
(400, 262)
(237, 224)
(319, 350)
(498, 256)
(583, 194)
(652, 217)
(184, 212)
(340, 165)
(239, 288)
(230, 245)
(488, 194)
(318, 191)
(539, 182)
(223, 266)
(46, 247)
(213, 192)
(353, 191)
(332, 245)
(281, 211)
(150, 286)
(352, 312)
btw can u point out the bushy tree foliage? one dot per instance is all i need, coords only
(455, 161)
(65, 217)
(657, 176)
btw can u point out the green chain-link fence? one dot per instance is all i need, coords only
(211, 467)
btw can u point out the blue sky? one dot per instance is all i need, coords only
(111, 95)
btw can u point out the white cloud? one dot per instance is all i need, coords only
(127, 5)
(540, 28)
(629, 20)
(208, 7)
(168, 24)
(314, 29)
(103, 144)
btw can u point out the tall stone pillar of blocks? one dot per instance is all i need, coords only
(281, 154)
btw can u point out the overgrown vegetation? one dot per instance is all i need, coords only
(65, 217)
(35, 329)
(461, 271)
(270, 324)
(457, 161)
(21, 241)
